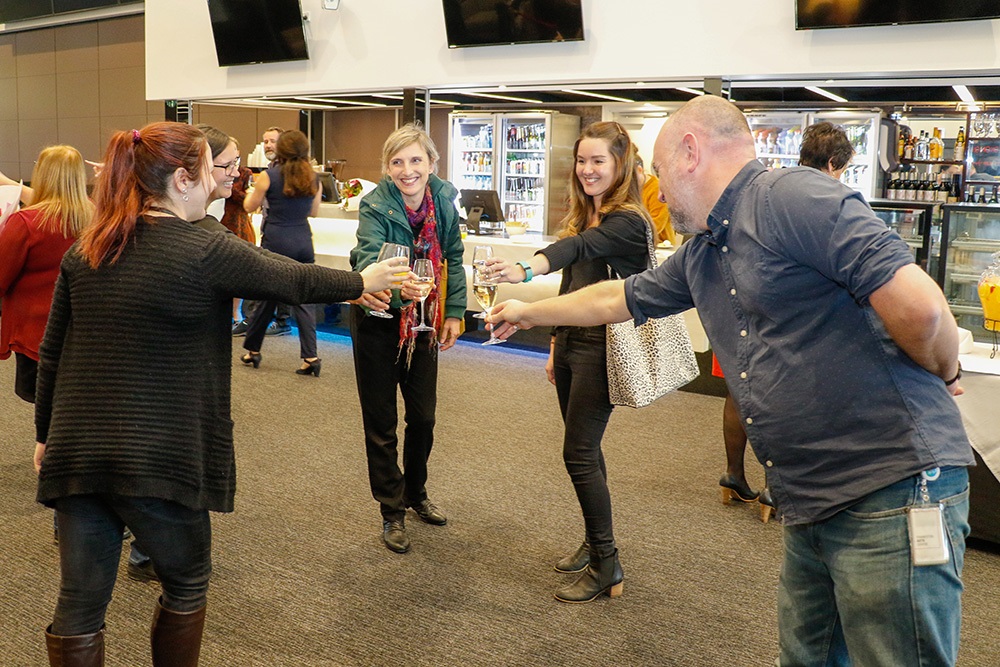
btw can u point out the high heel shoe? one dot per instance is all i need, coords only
(766, 505)
(602, 575)
(311, 367)
(251, 358)
(733, 489)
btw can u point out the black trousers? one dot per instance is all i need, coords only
(380, 367)
(25, 373)
(294, 242)
(581, 373)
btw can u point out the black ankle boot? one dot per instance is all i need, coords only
(602, 575)
(576, 561)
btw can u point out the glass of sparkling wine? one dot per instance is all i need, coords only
(485, 289)
(388, 251)
(480, 254)
(424, 270)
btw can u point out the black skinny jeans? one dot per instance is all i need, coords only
(178, 539)
(380, 367)
(580, 366)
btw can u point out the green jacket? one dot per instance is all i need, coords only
(382, 219)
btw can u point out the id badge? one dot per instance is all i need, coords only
(928, 543)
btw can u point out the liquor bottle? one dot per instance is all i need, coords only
(922, 150)
(960, 145)
(955, 191)
(911, 142)
(937, 145)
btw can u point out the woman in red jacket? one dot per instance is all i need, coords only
(32, 243)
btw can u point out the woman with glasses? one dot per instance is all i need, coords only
(293, 195)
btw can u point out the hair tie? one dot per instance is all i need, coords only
(135, 136)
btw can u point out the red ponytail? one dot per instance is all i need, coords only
(138, 166)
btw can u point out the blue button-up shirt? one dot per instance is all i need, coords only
(833, 408)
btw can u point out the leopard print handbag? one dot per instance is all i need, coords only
(649, 360)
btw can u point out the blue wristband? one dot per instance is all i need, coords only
(528, 273)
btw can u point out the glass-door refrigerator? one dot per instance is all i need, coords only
(862, 128)
(918, 224)
(970, 235)
(777, 136)
(529, 160)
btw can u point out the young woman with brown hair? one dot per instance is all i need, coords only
(605, 230)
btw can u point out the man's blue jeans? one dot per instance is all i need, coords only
(850, 595)
(177, 538)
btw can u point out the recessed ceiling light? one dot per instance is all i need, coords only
(826, 93)
(964, 94)
(600, 96)
(493, 96)
(328, 100)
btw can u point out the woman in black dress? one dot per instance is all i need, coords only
(293, 195)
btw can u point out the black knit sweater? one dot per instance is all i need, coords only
(134, 373)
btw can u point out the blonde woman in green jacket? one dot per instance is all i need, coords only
(413, 207)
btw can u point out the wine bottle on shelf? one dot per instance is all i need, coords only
(944, 189)
(981, 196)
(993, 197)
(910, 190)
(955, 189)
(890, 185)
(970, 194)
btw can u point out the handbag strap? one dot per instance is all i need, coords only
(649, 246)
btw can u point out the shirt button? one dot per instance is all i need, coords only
(725, 248)
(770, 464)
(725, 222)
(743, 333)
(749, 420)
(743, 375)
(733, 292)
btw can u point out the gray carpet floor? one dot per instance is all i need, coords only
(301, 578)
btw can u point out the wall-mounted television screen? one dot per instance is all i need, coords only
(257, 31)
(811, 14)
(492, 22)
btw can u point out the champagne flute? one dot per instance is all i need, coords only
(485, 289)
(480, 254)
(424, 270)
(388, 251)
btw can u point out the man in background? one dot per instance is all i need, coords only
(842, 355)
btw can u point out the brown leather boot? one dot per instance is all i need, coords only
(176, 637)
(75, 651)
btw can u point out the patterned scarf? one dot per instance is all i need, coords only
(425, 245)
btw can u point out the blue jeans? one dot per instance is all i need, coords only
(850, 595)
(177, 539)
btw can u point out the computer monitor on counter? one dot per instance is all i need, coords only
(485, 215)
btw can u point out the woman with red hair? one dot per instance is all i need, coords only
(132, 406)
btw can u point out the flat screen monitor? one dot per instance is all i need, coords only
(257, 31)
(488, 22)
(811, 14)
(483, 210)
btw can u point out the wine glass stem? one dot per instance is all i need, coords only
(422, 312)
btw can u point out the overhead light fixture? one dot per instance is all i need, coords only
(600, 96)
(286, 105)
(964, 94)
(494, 96)
(328, 100)
(690, 91)
(825, 93)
